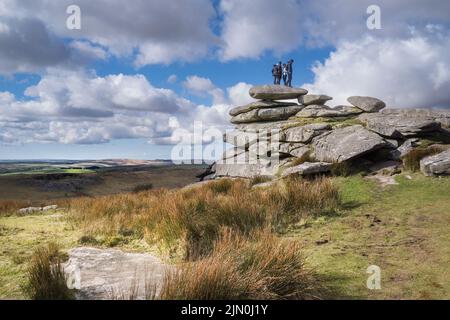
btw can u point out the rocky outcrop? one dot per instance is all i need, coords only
(367, 104)
(267, 114)
(310, 99)
(400, 125)
(270, 134)
(438, 164)
(259, 105)
(345, 143)
(270, 92)
(308, 168)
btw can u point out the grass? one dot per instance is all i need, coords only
(402, 228)
(186, 222)
(262, 267)
(46, 279)
(20, 237)
(334, 122)
(411, 161)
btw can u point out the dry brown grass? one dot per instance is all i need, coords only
(46, 279)
(192, 218)
(411, 161)
(257, 267)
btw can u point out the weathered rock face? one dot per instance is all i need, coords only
(97, 273)
(323, 111)
(245, 170)
(304, 134)
(399, 126)
(276, 92)
(404, 149)
(308, 168)
(259, 105)
(345, 144)
(439, 115)
(438, 164)
(367, 104)
(267, 114)
(310, 99)
(271, 134)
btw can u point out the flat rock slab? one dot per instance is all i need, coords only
(345, 143)
(102, 273)
(308, 168)
(436, 165)
(314, 99)
(259, 105)
(246, 170)
(267, 114)
(439, 115)
(399, 125)
(367, 104)
(304, 134)
(276, 92)
(323, 111)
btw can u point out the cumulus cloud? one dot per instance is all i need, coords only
(204, 86)
(156, 31)
(238, 94)
(409, 73)
(83, 108)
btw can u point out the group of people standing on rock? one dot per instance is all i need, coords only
(283, 71)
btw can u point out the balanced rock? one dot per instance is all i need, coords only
(259, 105)
(314, 99)
(367, 104)
(345, 143)
(308, 168)
(267, 114)
(304, 134)
(438, 164)
(276, 92)
(399, 125)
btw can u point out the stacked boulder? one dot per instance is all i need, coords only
(288, 131)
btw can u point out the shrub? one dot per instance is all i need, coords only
(46, 277)
(411, 161)
(191, 218)
(259, 267)
(143, 187)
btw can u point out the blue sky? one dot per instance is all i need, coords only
(104, 92)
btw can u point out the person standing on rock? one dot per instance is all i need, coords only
(289, 72)
(275, 73)
(285, 74)
(279, 72)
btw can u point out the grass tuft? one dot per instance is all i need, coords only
(411, 161)
(46, 277)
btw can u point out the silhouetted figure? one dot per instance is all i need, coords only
(279, 72)
(285, 74)
(275, 74)
(289, 72)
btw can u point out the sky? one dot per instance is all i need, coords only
(134, 78)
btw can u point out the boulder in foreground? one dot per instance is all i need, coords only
(276, 92)
(308, 168)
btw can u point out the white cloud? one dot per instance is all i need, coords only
(158, 31)
(238, 94)
(412, 72)
(82, 108)
(172, 79)
(202, 86)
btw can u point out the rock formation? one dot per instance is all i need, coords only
(275, 136)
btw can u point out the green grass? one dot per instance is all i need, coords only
(403, 229)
